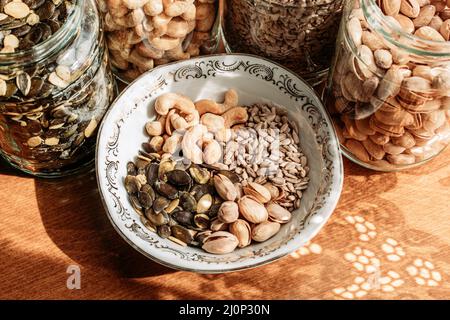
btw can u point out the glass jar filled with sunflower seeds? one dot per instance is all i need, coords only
(55, 84)
(299, 34)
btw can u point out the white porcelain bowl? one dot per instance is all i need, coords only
(256, 80)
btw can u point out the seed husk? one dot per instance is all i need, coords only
(164, 231)
(17, 10)
(183, 234)
(23, 82)
(132, 184)
(204, 203)
(160, 204)
(201, 221)
(200, 175)
(166, 190)
(187, 201)
(179, 177)
(183, 217)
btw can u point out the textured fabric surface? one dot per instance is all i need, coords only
(389, 238)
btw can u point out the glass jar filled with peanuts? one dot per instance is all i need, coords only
(143, 34)
(299, 34)
(389, 89)
(55, 84)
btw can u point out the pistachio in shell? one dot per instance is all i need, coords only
(274, 190)
(265, 230)
(230, 175)
(228, 212)
(202, 235)
(217, 225)
(225, 188)
(252, 210)
(220, 242)
(241, 229)
(259, 192)
(179, 177)
(277, 213)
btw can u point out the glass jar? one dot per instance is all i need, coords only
(143, 34)
(299, 34)
(54, 93)
(389, 89)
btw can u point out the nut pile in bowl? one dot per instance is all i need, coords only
(217, 175)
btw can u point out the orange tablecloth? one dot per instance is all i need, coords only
(388, 238)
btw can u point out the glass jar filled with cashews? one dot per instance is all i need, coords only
(55, 84)
(143, 34)
(389, 88)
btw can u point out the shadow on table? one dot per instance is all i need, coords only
(74, 219)
(7, 169)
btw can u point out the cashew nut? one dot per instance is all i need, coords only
(177, 28)
(170, 100)
(173, 143)
(119, 12)
(134, 4)
(207, 105)
(176, 53)
(124, 37)
(190, 141)
(224, 135)
(131, 19)
(117, 61)
(153, 7)
(193, 50)
(160, 23)
(190, 12)
(175, 8)
(156, 128)
(139, 61)
(234, 116)
(213, 122)
(164, 43)
(110, 24)
(198, 145)
(146, 50)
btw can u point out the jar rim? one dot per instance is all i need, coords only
(48, 46)
(404, 40)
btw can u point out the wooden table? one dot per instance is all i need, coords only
(388, 238)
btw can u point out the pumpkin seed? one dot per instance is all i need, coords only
(23, 82)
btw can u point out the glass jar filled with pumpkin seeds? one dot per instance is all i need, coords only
(389, 89)
(55, 84)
